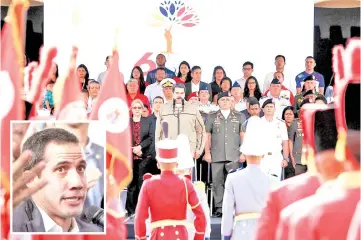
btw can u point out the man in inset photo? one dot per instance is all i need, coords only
(58, 206)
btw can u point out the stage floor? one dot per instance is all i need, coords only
(215, 226)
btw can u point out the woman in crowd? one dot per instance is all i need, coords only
(83, 76)
(143, 142)
(218, 75)
(226, 84)
(289, 116)
(137, 73)
(133, 94)
(251, 88)
(184, 73)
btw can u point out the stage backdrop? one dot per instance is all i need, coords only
(203, 32)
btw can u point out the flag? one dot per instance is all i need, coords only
(12, 56)
(67, 94)
(112, 109)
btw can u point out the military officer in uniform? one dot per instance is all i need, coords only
(309, 91)
(246, 190)
(205, 106)
(280, 101)
(165, 198)
(277, 137)
(222, 147)
(182, 117)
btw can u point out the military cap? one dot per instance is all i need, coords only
(309, 92)
(222, 94)
(167, 82)
(236, 84)
(309, 78)
(275, 81)
(268, 101)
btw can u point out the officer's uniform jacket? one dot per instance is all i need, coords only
(225, 138)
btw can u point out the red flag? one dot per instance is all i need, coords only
(12, 56)
(67, 94)
(112, 108)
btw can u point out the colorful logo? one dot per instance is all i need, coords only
(174, 13)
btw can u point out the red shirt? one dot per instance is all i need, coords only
(141, 97)
(292, 98)
(178, 80)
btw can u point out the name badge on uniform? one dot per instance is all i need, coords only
(217, 121)
(234, 120)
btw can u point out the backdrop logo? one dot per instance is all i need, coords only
(174, 13)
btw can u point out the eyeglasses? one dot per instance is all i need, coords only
(247, 69)
(252, 83)
(137, 107)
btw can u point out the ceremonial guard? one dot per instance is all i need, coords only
(318, 219)
(185, 166)
(355, 226)
(166, 197)
(246, 190)
(223, 141)
(280, 101)
(320, 126)
(289, 191)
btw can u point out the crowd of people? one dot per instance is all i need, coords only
(213, 115)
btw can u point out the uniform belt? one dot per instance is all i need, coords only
(169, 222)
(246, 216)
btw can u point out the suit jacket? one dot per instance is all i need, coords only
(188, 87)
(146, 135)
(27, 218)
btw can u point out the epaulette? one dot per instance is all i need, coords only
(147, 176)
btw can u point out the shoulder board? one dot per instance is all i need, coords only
(280, 120)
(300, 75)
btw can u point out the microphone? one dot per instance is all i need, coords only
(94, 214)
(165, 129)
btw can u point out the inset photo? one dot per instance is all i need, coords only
(58, 177)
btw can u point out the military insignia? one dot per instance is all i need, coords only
(7, 94)
(300, 75)
(300, 100)
(114, 112)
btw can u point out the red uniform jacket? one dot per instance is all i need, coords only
(323, 216)
(166, 196)
(290, 191)
(354, 230)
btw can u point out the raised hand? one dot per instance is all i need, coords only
(21, 178)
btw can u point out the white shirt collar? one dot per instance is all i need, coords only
(226, 113)
(88, 150)
(51, 226)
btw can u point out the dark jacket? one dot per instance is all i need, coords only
(27, 218)
(146, 135)
(188, 91)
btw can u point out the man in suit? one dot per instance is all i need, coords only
(194, 85)
(56, 207)
(94, 157)
(222, 145)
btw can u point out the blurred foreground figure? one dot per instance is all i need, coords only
(246, 190)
